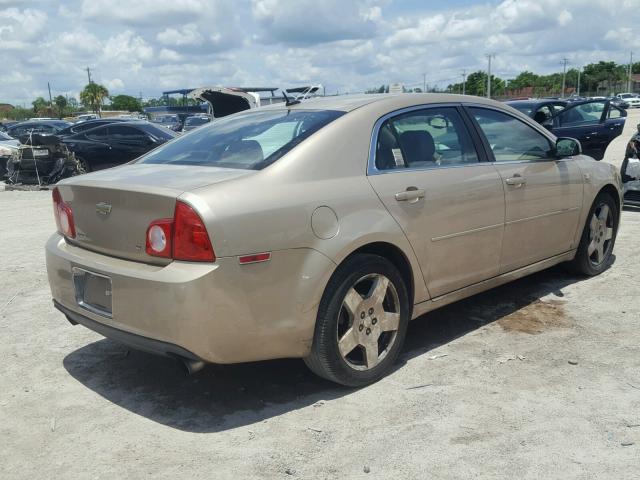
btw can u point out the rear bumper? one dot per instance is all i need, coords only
(220, 312)
(137, 342)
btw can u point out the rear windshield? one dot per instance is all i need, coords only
(249, 141)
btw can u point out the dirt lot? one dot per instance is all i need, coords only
(537, 379)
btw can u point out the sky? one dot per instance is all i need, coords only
(143, 47)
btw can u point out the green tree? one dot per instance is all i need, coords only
(40, 106)
(125, 102)
(93, 95)
(61, 103)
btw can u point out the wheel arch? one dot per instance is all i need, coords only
(396, 256)
(614, 192)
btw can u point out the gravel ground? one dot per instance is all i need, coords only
(536, 379)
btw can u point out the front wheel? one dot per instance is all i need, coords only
(362, 322)
(598, 237)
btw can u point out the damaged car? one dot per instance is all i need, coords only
(8, 146)
(630, 171)
(41, 160)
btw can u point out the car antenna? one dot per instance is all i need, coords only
(288, 101)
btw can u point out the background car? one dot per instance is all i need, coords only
(50, 127)
(619, 102)
(172, 122)
(8, 145)
(88, 125)
(195, 121)
(318, 230)
(631, 98)
(595, 123)
(115, 143)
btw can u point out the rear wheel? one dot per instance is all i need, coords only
(598, 237)
(83, 165)
(362, 322)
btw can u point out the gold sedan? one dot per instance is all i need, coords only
(318, 230)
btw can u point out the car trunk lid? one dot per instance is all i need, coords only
(113, 208)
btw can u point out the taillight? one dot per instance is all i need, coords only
(64, 215)
(183, 237)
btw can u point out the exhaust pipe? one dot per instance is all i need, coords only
(191, 366)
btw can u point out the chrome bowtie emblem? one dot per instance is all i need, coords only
(103, 208)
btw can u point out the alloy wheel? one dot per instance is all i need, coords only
(600, 234)
(368, 321)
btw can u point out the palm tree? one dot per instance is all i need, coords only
(93, 95)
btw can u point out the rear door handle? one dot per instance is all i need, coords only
(411, 195)
(516, 181)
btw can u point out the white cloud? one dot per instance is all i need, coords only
(187, 35)
(113, 84)
(126, 47)
(169, 55)
(18, 27)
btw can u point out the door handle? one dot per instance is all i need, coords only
(516, 181)
(411, 195)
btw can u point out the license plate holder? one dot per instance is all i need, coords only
(93, 291)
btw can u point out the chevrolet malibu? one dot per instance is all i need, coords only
(318, 230)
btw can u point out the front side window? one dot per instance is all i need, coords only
(426, 138)
(583, 114)
(509, 138)
(250, 141)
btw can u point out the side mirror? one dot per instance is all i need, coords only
(567, 147)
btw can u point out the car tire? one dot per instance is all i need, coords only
(362, 322)
(83, 165)
(598, 237)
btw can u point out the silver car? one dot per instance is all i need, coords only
(319, 230)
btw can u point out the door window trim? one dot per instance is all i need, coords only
(526, 120)
(475, 140)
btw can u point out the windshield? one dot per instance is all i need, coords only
(249, 141)
(196, 121)
(166, 119)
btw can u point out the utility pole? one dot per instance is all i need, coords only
(579, 70)
(89, 75)
(464, 82)
(630, 72)
(564, 74)
(50, 99)
(489, 56)
(424, 83)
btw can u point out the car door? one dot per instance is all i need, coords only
(426, 169)
(127, 143)
(587, 122)
(95, 148)
(543, 194)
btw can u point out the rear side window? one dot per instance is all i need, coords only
(100, 134)
(429, 138)
(509, 138)
(249, 141)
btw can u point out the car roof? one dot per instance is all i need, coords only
(347, 103)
